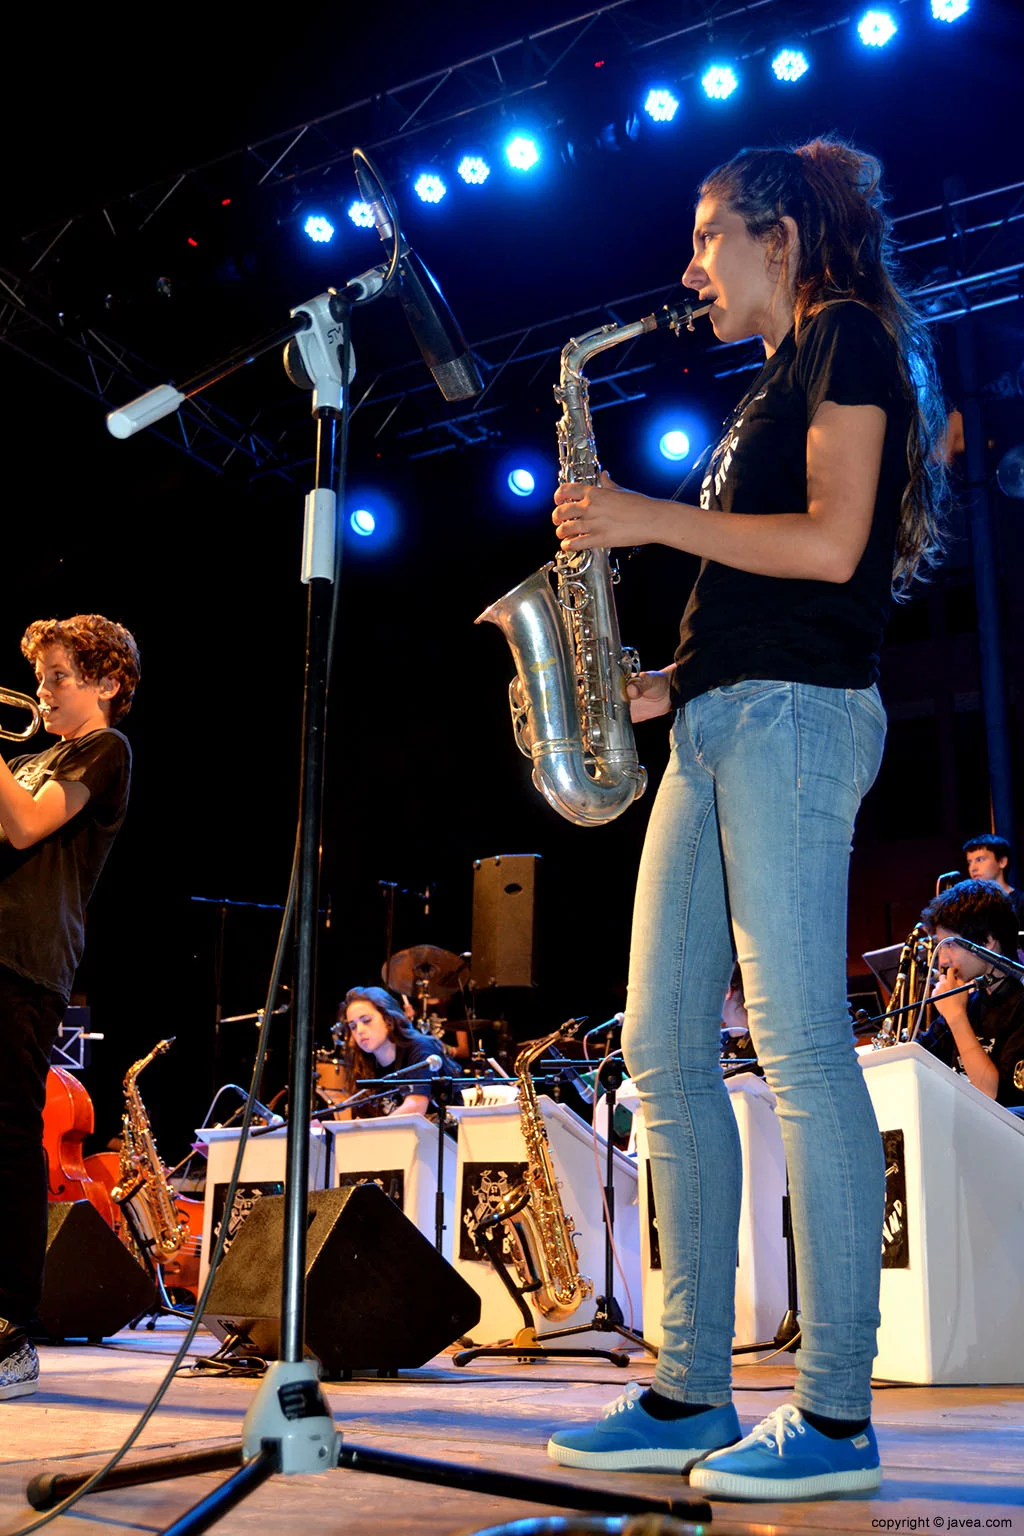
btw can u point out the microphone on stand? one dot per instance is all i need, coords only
(434, 327)
(275, 1121)
(615, 1022)
(998, 961)
(433, 1065)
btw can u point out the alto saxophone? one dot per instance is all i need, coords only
(570, 711)
(156, 1223)
(543, 1240)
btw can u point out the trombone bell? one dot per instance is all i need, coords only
(20, 701)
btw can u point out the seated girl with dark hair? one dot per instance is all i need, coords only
(385, 1044)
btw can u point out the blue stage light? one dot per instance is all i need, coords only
(372, 522)
(674, 436)
(521, 482)
(674, 444)
(661, 106)
(950, 10)
(524, 480)
(319, 229)
(429, 188)
(521, 153)
(790, 64)
(361, 215)
(719, 81)
(473, 170)
(876, 28)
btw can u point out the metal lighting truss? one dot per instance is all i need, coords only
(986, 224)
(515, 364)
(666, 34)
(33, 327)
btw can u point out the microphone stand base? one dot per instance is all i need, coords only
(290, 1410)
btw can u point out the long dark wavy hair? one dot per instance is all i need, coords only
(399, 1028)
(832, 191)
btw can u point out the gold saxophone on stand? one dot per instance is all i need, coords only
(157, 1225)
(570, 712)
(542, 1236)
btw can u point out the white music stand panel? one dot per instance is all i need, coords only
(761, 1295)
(491, 1135)
(263, 1170)
(951, 1312)
(403, 1145)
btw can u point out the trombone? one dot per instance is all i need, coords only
(20, 701)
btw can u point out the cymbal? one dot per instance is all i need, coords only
(424, 965)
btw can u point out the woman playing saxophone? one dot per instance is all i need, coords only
(822, 496)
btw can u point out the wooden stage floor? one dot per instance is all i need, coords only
(953, 1456)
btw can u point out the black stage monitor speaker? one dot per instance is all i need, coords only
(505, 920)
(378, 1295)
(92, 1287)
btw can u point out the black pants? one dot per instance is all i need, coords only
(30, 1016)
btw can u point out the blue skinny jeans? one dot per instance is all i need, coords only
(749, 846)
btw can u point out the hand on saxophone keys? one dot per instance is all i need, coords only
(604, 516)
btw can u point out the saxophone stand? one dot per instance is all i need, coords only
(608, 1318)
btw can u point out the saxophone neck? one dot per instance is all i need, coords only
(578, 351)
(535, 1049)
(140, 1066)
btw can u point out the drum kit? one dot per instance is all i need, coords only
(428, 977)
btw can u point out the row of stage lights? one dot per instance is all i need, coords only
(526, 481)
(720, 80)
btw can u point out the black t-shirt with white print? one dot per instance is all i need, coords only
(739, 626)
(411, 1057)
(44, 889)
(997, 1017)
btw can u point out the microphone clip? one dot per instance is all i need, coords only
(312, 357)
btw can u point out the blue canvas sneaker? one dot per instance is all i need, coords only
(783, 1457)
(627, 1438)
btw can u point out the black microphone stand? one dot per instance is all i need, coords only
(787, 1334)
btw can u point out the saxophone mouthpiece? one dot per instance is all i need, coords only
(572, 1025)
(683, 317)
